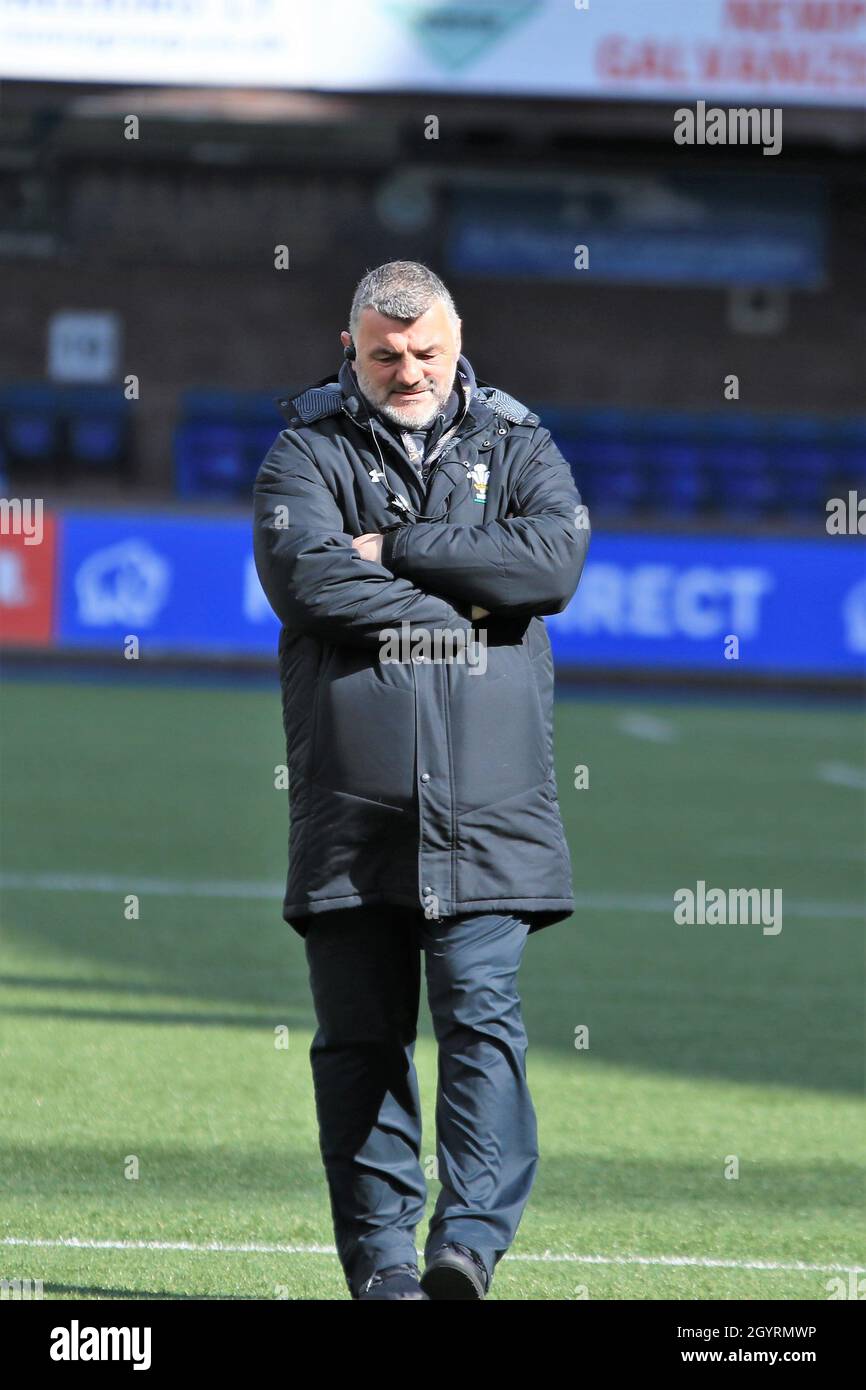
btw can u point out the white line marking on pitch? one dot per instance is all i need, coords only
(548, 1256)
(843, 775)
(257, 888)
(649, 727)
(794, 850)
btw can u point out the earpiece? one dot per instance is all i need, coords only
(349, 353)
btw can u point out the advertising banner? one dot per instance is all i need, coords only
(794, 607)
(27, 579)
(648, 602)
(651, 229)
(795, 51)
(178, 584)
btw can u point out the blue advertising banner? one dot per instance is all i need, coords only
(178, 584)
(671, 229)
(644, 601)
(794, 606)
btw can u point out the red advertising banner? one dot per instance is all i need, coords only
(27, 576)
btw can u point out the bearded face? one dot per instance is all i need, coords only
(406, 369)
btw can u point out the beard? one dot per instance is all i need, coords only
(407, 417)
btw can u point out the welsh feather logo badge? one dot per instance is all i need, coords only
(478, 476)
(456, 32)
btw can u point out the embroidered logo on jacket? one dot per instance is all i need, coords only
(478, 476)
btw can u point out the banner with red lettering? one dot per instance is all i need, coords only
(796, 51)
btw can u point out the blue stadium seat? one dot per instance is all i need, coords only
(737, 456)
(210, 460)
(744, 464)
(740, 463)
(614, 473)
(610, 459)
(672, 462)
(565, 432)
(98, 429)
(849, 456)
(803, 463)
(32, 432)
(679, 479)
(95, 442)
(67, 428)
(221, 440)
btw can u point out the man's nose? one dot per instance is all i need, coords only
(409, 372)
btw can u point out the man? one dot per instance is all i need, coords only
(407, 502)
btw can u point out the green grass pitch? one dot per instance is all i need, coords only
(153, 1039)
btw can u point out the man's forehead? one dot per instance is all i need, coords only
(398, 334)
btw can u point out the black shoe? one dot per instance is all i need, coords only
(455, 1271)
(396, 1281)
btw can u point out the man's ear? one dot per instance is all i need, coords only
(346, 338)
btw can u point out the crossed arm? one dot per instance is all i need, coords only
(433, 575)
(369, 547)
(529, 563)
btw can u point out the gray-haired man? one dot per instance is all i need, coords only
(407, 498)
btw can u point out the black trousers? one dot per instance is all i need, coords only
(365, 970)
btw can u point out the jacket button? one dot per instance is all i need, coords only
(428, 889)
(425, 776)
(502, 430)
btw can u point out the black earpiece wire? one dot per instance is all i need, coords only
(396, 500)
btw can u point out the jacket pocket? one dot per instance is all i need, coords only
(498, 732)
(364, 731)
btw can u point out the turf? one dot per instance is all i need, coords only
(152, 1040)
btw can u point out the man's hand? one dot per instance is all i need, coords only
(369, 546)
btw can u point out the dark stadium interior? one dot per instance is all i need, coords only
(174, 233)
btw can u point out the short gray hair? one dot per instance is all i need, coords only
(399, 290)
